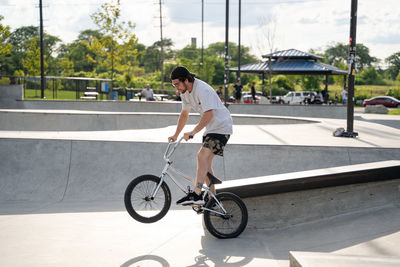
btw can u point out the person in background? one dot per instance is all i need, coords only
(238, 91)
(343, 94)
(148, 93)
(253, 93)
(219, 93)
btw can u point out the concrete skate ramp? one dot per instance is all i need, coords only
(67, 120)
(92, 176)
(76, 170)
(318, 178)
(282, 200)
(316, 111)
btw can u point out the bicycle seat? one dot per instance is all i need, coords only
(213, 179)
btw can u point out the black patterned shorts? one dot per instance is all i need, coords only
(216, 142)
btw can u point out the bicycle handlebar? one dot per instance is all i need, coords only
(176, 144)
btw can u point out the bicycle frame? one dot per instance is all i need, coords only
(169, 171)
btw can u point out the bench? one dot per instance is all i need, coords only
(90, 94)
(89, 97)
(160, 96)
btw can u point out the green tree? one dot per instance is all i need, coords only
(337, 55)
(189, 52)
(115, 49)
(5, 48)
(311, 82)
(152, 57)
(369, 76)
(67, 67)
(218, 50)
(206, 71)
(77, 51)
(394, 65)
(21, 41)
(31, 62)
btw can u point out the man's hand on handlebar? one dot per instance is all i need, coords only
(188, 135)
(172, 138)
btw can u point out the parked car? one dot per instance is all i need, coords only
(260, 99)
(248, 98)
(387, 101)
(295, 97)
(276, 100)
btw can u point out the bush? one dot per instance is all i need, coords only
(369, 76)
(282, 83)
(394, 92)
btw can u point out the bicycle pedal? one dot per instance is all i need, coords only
(198, 209)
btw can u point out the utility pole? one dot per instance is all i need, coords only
(352, 71)
(42, 78)
(226, 75)
(239, 54)
(202, 32)
(162, 48)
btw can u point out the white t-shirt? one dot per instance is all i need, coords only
(148, 93)
(203, 98)
(343, 94)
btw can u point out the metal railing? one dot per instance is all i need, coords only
(78, 88)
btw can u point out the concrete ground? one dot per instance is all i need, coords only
(59, 236)
(74, 231)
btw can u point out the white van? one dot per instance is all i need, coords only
(295, 97)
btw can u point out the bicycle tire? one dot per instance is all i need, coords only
(229, 226)
(138, 203)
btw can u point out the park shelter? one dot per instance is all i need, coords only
(291, 62)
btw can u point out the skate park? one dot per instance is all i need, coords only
(65, 166)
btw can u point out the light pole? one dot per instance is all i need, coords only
(42, 78)
(226, 75)
(352, 71)
(240, 18)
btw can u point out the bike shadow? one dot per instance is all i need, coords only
(224, 252)
(146, 260)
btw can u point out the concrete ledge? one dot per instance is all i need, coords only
(320, 178)
(292, 208)
(280, 201)
(72, 120)
(11, 92)
(317, 259)
(319, 111)
(378, 109)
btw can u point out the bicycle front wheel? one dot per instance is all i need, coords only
(226, 225)
(139, 201)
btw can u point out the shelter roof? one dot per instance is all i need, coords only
(293, 62)
(291, 54)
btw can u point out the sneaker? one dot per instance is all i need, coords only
(191, 199)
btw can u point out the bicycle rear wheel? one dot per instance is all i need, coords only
(139, 203)
(232, 223)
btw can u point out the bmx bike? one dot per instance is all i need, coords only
(148, 198)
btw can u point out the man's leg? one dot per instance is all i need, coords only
(210, 170)
(204, 164)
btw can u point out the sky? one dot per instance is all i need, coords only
(299, 24)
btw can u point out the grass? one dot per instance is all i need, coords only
(394, 111)
(360, 91)
(32, 94)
